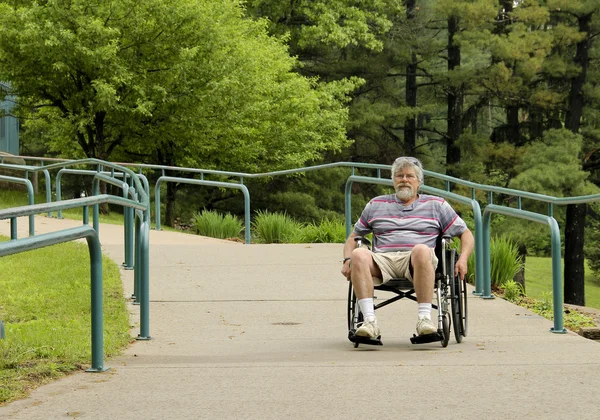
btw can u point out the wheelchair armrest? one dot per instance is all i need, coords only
(445, 242)
(360, 240)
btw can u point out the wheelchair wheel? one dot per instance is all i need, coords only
(443, 315)
(455, 295)
(456, 307)
(354, 315)
(446, 330)
(463, 300)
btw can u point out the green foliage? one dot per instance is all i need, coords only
(544, 305)
(276, 228)
(535, 238)
(552, 166)
(45, 304)
(216, 225)
(505, 261)
(592, 243)
(338, 23)
(326, 231)
(513, 290)
(183, 83)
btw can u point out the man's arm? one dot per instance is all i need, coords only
(349, 246)
(467, 243)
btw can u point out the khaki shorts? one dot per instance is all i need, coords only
(396, 265)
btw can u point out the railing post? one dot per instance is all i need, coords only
(97, 305)
(557, 283)
(487, 274)
(144, 288)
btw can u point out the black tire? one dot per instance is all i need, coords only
(446, 330)
(455, 295)
(456, 308)
(354, 315)
(463, 306)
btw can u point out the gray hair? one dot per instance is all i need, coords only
(408, 162)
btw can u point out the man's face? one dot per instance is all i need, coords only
(406, 184)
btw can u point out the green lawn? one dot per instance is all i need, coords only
(538, 280)
(45, 306)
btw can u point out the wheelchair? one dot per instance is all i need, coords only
(450, 292)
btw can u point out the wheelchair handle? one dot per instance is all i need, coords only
(360, 239)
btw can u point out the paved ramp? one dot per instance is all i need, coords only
(259, 332)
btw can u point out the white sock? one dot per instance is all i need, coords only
(424, 310)
(367, 308)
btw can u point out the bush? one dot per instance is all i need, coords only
(276, 228)
(505, 261)
(327, 231)
(513, 291)
(210, 223)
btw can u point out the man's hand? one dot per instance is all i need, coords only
(460, 269)
(467, 243)
(346, 270)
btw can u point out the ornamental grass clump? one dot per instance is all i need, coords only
(215, 225)
(276, 228)
(326, 231)
(505, 261)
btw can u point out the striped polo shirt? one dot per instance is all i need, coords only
(397, 227)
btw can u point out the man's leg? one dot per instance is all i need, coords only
(363, 270)
(423, 281)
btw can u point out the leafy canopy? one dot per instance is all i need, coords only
(191, 83)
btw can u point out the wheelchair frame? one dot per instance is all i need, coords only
(451, 296)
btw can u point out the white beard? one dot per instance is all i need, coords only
(405, 192)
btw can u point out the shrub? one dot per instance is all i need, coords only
(505, 261)
(211, 223)
(327, 231)
(513, 291)
(276, 228)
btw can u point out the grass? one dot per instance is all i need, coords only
(538, 281)
(537, 295)
(276, 228)
(45, 306)
(10, 199)
(216, 225)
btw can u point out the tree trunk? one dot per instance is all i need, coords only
(520, 276)
(170, 206)
(410, 124)
(574, 274)
(574, 259)
(512, 121)
(455, 99)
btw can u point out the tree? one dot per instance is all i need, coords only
(584, 13)
(189, 83)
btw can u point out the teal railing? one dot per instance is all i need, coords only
(136, 201)
(30, 200)
(482, 222)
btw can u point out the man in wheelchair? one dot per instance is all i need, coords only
(405, 228)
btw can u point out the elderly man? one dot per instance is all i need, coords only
(405, 227)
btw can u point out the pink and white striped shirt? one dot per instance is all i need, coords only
(397, 227)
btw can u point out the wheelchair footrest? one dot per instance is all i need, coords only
(427, 338)
(364, 340)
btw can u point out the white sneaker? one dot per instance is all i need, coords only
(368, 328)
(425, 326)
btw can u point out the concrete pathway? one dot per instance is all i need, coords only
(259, 332)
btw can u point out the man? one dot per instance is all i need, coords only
(405, 227)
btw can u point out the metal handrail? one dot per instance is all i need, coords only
(241, 187)
(139, 203)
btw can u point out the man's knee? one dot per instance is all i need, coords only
(361, 256)
(420, 256)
